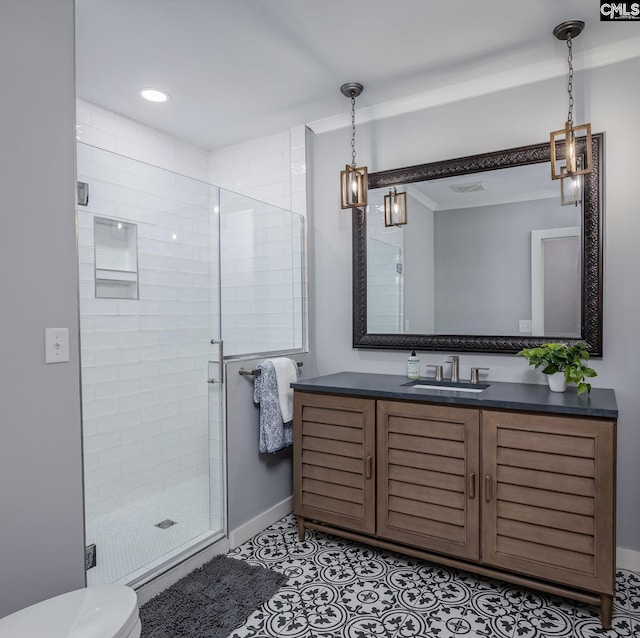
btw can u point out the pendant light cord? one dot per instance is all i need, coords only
(353, 131)
(570, 83)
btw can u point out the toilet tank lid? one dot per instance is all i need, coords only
(101, 611)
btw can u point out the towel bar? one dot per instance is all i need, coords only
(252, 373)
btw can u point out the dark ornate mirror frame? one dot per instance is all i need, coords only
(591, 252)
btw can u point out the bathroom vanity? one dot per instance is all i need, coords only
(513, 482)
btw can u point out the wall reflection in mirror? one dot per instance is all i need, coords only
(490, 253)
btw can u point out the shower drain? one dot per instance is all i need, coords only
(166, 523)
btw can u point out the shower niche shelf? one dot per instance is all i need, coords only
(116, 258)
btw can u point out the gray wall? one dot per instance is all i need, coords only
(256, 481)
(491, 276)
(608, 98)
(41, 521)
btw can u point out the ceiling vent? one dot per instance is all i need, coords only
(469, 187)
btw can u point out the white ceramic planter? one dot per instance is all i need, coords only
(557, 382)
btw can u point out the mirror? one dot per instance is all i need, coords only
(490, 261)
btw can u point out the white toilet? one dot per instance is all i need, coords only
(102, 611)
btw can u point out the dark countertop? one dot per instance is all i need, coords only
(520, 396)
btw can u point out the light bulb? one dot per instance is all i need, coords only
(571, 153)
(119, 225)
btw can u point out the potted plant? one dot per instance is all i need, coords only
(562, 363)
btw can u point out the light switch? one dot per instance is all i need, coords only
(56, 345)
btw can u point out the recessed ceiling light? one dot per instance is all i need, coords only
(154, 95)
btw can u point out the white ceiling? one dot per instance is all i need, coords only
(242, 69)
(501, 186)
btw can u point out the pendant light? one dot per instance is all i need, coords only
(353, 180)
(571, 188)
(568, 165)
(395, 208)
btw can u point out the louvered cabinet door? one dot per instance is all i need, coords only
(334, 460)
(549, 497)
(427, 477)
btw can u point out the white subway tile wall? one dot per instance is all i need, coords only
(271, 169)
(112, 132)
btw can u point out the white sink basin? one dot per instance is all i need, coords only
(449, 388)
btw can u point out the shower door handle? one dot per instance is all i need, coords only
(220, 379)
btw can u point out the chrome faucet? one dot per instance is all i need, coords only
(455, 366)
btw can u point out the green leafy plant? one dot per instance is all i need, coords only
(562, 357)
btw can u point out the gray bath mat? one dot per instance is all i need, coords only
(211, 601)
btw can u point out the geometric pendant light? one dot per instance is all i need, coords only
(353, 180)
(567, 164)
(395, 208)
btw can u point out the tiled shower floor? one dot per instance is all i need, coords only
(128, 543)
(343, 589)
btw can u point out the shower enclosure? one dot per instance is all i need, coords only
(385, 306)
(170, 268)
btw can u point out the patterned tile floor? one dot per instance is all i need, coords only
(347, 590)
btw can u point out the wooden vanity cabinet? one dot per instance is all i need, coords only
(526, 497)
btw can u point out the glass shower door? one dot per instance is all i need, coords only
(215, 383)
(151, 355)
(262, 279)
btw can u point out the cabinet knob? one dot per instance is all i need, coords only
(472, 485)
(368, 468)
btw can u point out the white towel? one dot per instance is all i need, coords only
(286, 374)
